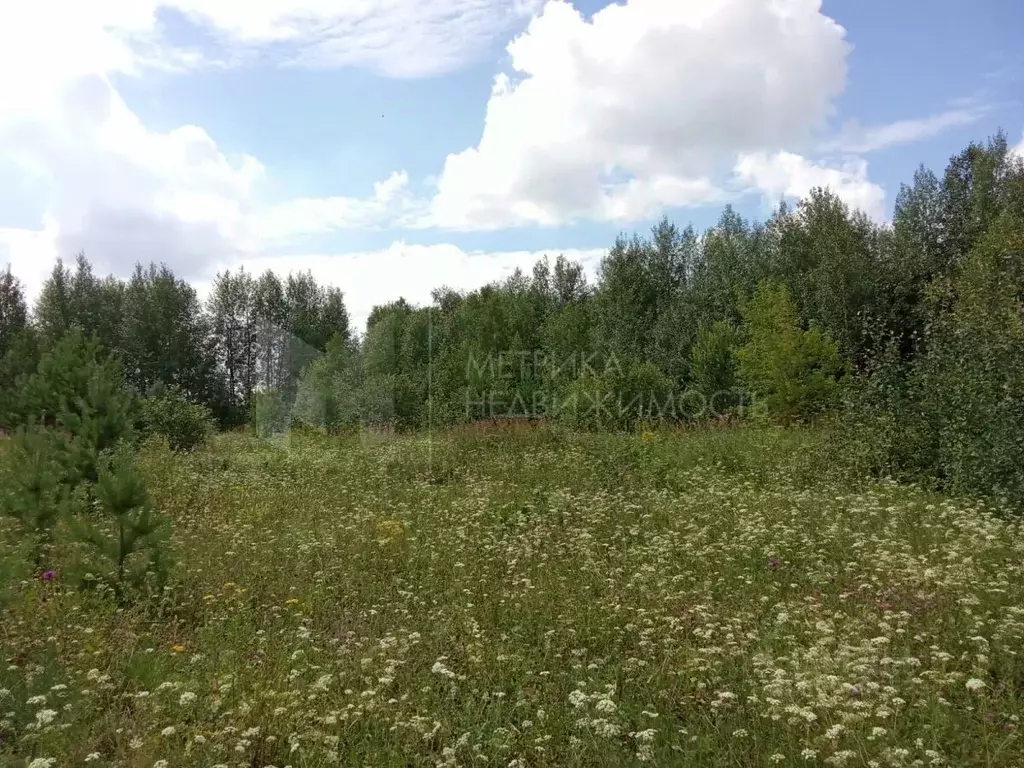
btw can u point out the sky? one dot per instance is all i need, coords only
(396, 146)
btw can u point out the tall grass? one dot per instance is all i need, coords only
(540, 599)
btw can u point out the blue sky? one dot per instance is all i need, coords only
(395, 147)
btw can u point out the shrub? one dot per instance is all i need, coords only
(35, 494)
(713, 369)
(618, 399)
(270, 415)
(168, 414)
(129, 537)
(794, 372)
(80, 391)
(955, 415)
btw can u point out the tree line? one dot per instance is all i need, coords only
(908, 334)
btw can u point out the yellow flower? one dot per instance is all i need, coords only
(648, 437)
(291, 601)
(178, 648)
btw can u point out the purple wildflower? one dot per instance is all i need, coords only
(48, 574)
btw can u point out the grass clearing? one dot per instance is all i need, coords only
(532, 599)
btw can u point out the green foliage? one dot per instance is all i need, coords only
(831, 269)
(955, 415)
(833, 292)
(271, 414)
(328, 392)
(973, 369)
(13, 310)
(791, 371)
(713, 367)
(264, 333)
(129, 537)
(618, 399)
(35, 493)
(78, 300)
(483, 561)
(164, 333)
(185, 425)
(883, 431)
(97, 419)
(19, 362)
(81, 392)
(64, 373)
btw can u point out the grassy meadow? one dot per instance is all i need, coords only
(714, 598)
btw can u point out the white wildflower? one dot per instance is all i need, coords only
(322, 683)
(606, 706)
(833, 732)
(441, 669)
(45, 716)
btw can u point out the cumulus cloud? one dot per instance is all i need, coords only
(641, 107)
(784, 174)
(390, 203)
(121, 191)
(646, 105)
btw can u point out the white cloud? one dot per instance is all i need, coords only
(30, 254)
(859, 139)
(110, 185)
(390, 202)
(410, 271)
(784, 174)
(402, 38)
(646, 105)
(1019, 149)
(641, 107)
(125, 193)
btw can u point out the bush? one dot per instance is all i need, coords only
(954, 417)
(619, 399)
(34, 473)
(973, 371)
(270, 415)
(185, 425)
(79, 390)
(794, 372)
(713, 369)
(128, 538)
